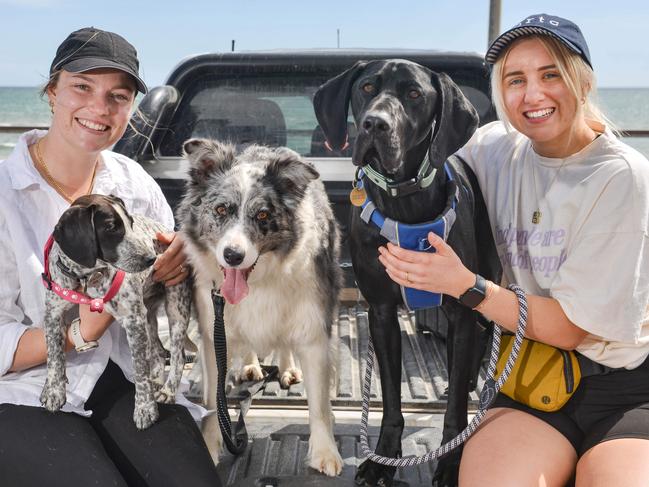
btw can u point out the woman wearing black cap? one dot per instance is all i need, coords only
(569, 209)
(92, 86)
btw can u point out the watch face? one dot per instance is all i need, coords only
(472, 298)
(475, 294)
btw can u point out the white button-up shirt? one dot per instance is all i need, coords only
(29, 210)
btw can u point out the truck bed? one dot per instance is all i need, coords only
(278, 419)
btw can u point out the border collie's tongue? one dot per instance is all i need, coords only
(234, 287)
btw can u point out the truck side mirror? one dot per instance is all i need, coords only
(148, 123)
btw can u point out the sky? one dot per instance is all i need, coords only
(164, 32)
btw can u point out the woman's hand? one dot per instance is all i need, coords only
(439, 272)
(171, 267)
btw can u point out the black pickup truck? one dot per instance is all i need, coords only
(266, 98)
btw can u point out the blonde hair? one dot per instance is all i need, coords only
(575, 72)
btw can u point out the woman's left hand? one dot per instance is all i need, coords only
(438, 272)
(171, 266)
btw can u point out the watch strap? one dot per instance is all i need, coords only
(80, 344)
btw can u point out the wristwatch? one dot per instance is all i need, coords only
(473, 296)
(80, 344)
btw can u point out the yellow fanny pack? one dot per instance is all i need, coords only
(543, 377)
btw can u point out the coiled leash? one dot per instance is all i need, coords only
(487, 396)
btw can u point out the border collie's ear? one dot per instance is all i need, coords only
(290, 174)
(456, 120)
(75, 234)
(331, 105)
(207, 157)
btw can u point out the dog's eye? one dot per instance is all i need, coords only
(221, 210)
(368, 88)
(414, 94)
(110, 227)
(262, 216)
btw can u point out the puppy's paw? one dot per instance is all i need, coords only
(212, 436)
(165, 395)
(289, 377)
(145, 414)
(53, 396)
(327, 461)
(250, 372)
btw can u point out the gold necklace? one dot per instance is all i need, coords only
(50, 179)
(536, 216)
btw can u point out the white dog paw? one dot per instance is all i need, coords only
(329, 462)
(165, 395)
(251, 372)
(53, 396)
(145, 414)
(289, 377)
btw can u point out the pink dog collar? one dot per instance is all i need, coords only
(96, 304)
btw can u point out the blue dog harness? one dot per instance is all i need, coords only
(415, 237)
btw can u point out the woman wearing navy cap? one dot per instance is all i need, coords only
(569, 210)
(92, 86)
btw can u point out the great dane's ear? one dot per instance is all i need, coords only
(75, 234)
(331, 105)
(456, 120)
(290, 174)
(207, 157)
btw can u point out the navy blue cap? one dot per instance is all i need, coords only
(542, 24)
(90, 48)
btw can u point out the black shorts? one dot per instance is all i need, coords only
(604, 407)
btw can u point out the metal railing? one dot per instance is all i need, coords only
(19, 129)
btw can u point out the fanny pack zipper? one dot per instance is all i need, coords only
(567, 371)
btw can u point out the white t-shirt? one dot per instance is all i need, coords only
(590, 250)
(29, 209)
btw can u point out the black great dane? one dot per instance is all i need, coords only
(409, 121)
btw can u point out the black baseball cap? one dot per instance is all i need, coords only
(91, 48)
(542, 24)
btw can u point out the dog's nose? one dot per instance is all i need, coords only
(149, 262)
(375, 123)
(233, 256)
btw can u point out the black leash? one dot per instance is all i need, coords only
(235, 444)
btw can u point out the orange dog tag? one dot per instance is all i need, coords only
(357, 196)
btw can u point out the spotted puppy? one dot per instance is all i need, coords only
(94, 239)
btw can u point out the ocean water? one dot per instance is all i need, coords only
(625, 107)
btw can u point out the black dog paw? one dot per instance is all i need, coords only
(372, 474)
(446, 474)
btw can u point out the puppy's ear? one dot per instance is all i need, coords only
(456, 120)
(207, 157)
(75, 234)
(289, 174)
(331, 105)
(118, 200)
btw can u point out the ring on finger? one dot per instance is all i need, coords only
(407, 277)
(181, 268)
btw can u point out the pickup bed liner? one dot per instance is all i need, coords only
(277, 451)
(424, 376)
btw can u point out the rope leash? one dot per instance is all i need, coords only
(487, 396)
(239, 443)
(244, 391)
